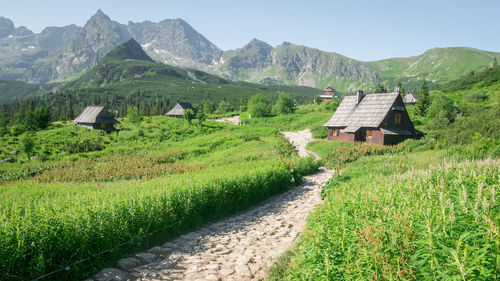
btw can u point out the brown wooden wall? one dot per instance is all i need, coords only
(377, 136)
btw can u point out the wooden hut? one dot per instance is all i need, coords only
(410, 98)
(328, 94)
(96, 117)
(375, 118)
(178, 109)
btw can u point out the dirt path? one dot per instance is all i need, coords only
(235, 120)
(300, 140)
(240, 247)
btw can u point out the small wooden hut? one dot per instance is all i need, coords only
(375, 118)
(96, 117)
(328, 94)
(178, 110)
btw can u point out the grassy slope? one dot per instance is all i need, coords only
(435, 65)
(383, 212)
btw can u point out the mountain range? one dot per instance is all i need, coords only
(63, 53)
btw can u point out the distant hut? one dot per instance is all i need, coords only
(328, 94)
(375, 118)
(96, 117)
(410, 98)
(179, 108)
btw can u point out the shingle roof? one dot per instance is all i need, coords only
(411, 98)
(95, 114)
(179, 108)
(370, 112)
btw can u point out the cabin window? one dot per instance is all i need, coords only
(334, 132)
(397, 119)
(368, 133)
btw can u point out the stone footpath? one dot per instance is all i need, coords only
(240, 247)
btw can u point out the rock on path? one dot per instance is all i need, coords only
(240, 247)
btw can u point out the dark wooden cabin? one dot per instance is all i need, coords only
(96, 117)
(178, 109)
(374, 118)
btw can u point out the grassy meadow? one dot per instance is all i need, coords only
(83, 192)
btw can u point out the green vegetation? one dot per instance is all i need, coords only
(398, 217)
(90, 191)
(285, 104)
(423, 99)
(259, 106)
(422, 210)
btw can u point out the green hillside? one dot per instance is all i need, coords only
(435, 65)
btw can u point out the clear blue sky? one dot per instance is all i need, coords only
(361, 29)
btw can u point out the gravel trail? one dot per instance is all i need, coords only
(240, 247)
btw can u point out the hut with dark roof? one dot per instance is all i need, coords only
(375, 118)
(179, 108)
(96, 117)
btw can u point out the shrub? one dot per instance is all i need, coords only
(88, 144)
(343, 155)
(319, 132)
(284, 104)
(476, 96)
(259, 106)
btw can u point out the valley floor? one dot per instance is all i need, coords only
(240, 247)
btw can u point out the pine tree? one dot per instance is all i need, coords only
(423, 100)
(380, 88)
(69, 110)
(495, 62)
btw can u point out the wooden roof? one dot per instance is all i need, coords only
(410, 98)
(95, 114)
(179, 108)
(370, 112)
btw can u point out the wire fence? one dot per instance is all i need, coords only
(110, 250)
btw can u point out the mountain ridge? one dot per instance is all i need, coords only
(61, 52)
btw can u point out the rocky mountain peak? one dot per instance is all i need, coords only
(6, 27)
(256, 43)
(98, 19)
(22, 31)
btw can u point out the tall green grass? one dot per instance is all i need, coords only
(389, 218)
(44, 227)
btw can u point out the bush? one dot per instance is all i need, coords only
(88, 144)
(343, 155)
(259, 106)
(284, 104)
(476, 96)
(319, 132)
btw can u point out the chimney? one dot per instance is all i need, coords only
(360, 95)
